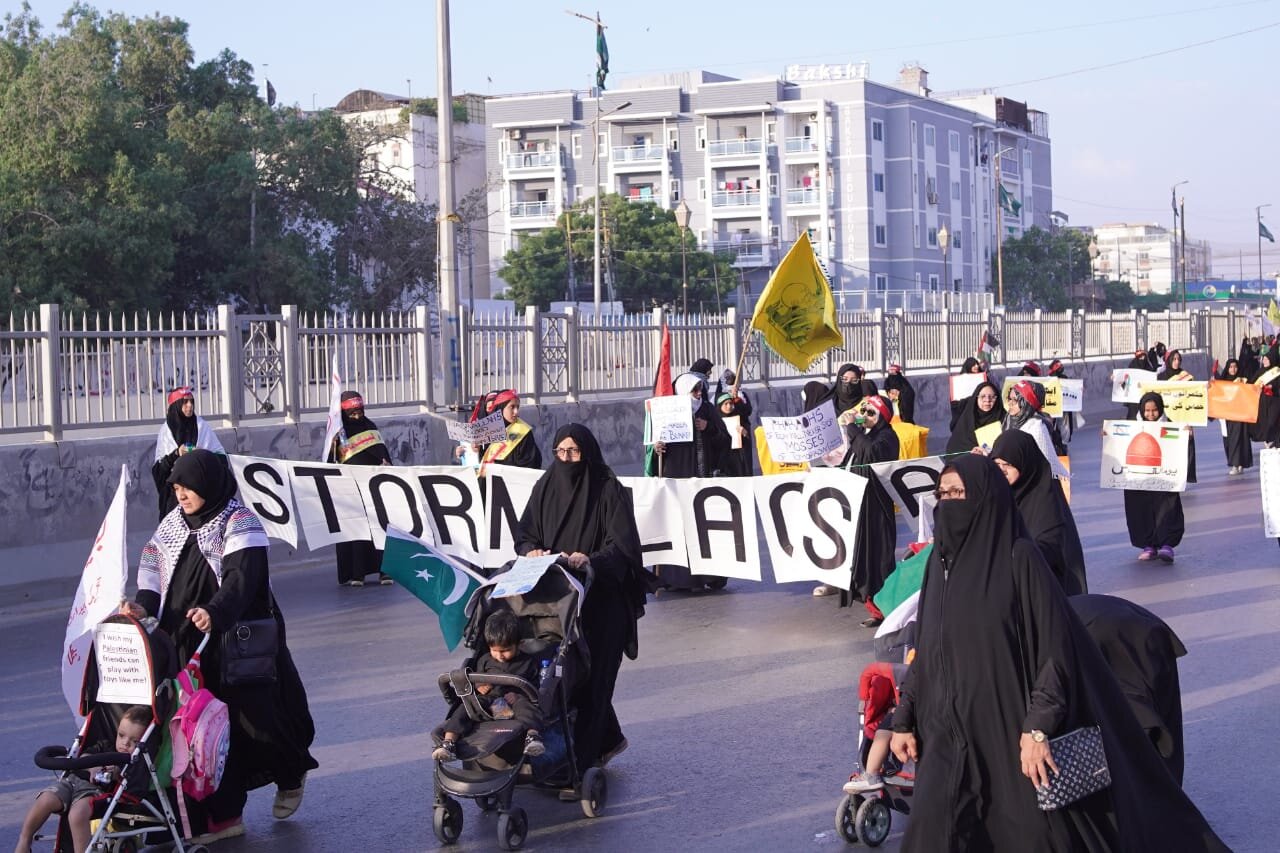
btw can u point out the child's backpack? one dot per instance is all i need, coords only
(200, 734)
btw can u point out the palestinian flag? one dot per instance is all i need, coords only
(987, 346)
(1170, 432)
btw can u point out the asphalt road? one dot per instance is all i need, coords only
(741, 709)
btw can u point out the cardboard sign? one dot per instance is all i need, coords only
(1269, 464)
(486, 430)
(670, 419)
(987, 435)
(1051, 386)
(124, 674)
(1184, 402)
(1234, 401)
(804, 437)
(1072, 394)
(1126, 383)
(1146, 456)
(964, 384)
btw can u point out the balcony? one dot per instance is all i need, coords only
(736, 198)
(534, 161)
(808, 196)
(639, 155)
(801, 145)
(749, 251)
(533, 210)
(735, 147)
(645, 194)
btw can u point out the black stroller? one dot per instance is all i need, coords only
(493, 761)
(126, 666)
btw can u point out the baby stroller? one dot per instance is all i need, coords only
(126, 666)
(867, 817)
(492, 757)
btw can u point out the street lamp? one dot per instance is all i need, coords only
(595, 133)
(1093, 275)
(944, 241)
(682, 219)
(1173, 194)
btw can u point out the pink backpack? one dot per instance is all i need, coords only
(200, 735)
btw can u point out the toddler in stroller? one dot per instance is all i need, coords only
(883, 784)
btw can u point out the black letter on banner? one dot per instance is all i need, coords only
(908, 495)
(493, 491)
(779, 520)
(250, 471)
(825, 526)
(439, 511)
(380, 506)
(733, 524)
(326, 499)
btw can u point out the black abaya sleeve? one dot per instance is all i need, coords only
(1045, 626)
(526, 453)
(620, 550)
(243, 590)
(715, 439)
(529, 535)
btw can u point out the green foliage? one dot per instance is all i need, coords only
(431, 107)
(1119, 296)
(1040, 266)
(640, 251)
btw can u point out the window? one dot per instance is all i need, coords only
(775, 234)
(877, 130)
(773, 184)
(575, 142)
(881, 237)
(702, 189)
(771, 132)
(955, 240)
(928, 136)
(882, 282)
(933, 281)
(395, 154)
(915, 234)
(673, 138)
(1026, 157)
(877, 181)
(915, 183)
(955, 190)
(577, 192)
(953, 140)
(933, 236)
(914, 138)
(602, 145)
(675, 189)
(702, 137)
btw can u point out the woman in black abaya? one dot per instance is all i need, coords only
(872, 439)
(901, 393)
(1235, 434)
(982, 408)
(205, 569)
(358, 443)
(971, 365)
(182, 432)
(1155, 520)
(1267, 429)
(1043, 507)
(848, 388)
(1002, 666)
(1173, 372)
(579, 509)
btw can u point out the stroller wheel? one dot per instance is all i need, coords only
(873, 821)
(846, 817)
(595, 792)
(446, 820)
(513, 828)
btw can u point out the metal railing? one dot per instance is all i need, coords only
(544, 159)
(750, 250)
(735, 198)
(638, 153)
(62, 373)
(532, 209)
(801, 145)
(735, 147)
(809, 195)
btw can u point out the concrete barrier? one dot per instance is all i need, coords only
(53, 495)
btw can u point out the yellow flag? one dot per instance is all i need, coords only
(796, 312)
(1273, 316)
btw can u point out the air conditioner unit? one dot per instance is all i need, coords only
(515, 133)
(932, 197)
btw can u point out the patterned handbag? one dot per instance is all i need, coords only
(1082, 768)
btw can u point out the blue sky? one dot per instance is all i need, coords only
(1122, 135)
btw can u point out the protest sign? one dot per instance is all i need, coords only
(1051, 386)
(964, 384)
(1269, 464)
(987, 435)
(523, 575)
(1234, 401)
(719, 528)
(486, 430)
(1184, 402)
(733, 423)
(804, 437)
(1072, 394)
(1144, 455)
(658, 520)
(907, 481)
(265, 489)
(810, 524)
(1126, 382)
(670, 419)
(124, 669)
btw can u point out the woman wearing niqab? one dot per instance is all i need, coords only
(848, 389)
(1002, 661)
(358, 442)
(905, 401)
(971, 418)
(579, 507)
(1043, 508)
(869, 442)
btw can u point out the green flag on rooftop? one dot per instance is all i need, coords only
(1264, 233)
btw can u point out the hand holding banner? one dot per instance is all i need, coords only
(1234, 401)
(1126, 383)
(1148, 456)
(1184, 402)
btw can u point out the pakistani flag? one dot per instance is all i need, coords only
(1264, 233)
(602, 56)
(438, 580)
(1010, 204)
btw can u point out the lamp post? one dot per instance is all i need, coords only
(595, 133)
(944, 241)
(1093, 276)
(1257, 211)
(1173, 195)
(682, 219)
(1000, 228)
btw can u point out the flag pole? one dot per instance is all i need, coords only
(999, 233)
(1258, 213)
(742, 359)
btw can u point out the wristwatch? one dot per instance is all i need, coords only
(1038, 736)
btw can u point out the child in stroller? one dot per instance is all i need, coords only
(75, 795)
(505, 657)
(883, 784)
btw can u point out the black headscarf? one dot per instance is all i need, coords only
(815, 394)
(569, 495)
(1225, 374)
(847, 394)
(1273, 356)
(963, 437)
(185, 430)
(206, 474)
(1248, 359)
(1044, 509)
(1153, 397)
(702, 367)
(1169, 371)
(969, 364)
(351, 426)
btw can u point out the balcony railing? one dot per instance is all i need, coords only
(544, 159)
(638, 153)
(735, 147)
(735, 198)
(643, 197)
(808, 195)
(747, 251)
(801, 145)
(532, 209)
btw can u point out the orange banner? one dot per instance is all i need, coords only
(1234, 401)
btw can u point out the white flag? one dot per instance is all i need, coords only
(334, 422)
(101, 590)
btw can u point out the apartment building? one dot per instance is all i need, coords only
(872, 171)
(1146, 256)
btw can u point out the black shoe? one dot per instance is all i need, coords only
(871, 622)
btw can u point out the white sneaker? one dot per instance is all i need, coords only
(864, 782)
(825, 589)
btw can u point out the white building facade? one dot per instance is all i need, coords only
(1146, 257)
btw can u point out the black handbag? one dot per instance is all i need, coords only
(1082, 768)
(249, 649)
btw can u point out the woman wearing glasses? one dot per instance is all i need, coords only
(1024, 403)
(580, 510)
(982, 409)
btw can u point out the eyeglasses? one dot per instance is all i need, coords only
(986, 398)
(949, 494)
(568, 453)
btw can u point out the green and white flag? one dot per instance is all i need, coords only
(1010, 204)
(1264, 232)
(438, 580)
(602, 57)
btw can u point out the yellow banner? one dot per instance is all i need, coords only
(1184, 402)
(796, 312)
(1052, 387)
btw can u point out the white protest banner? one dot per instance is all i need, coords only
(265, 489)
(392, 497)
(964, 384)
(908, 480)
(102, 585)
(733, 423)
(804, 437)
(810, 524)
(523, 575)
(486, 430)
(330, 508)
(454, 509)
(670, 419)
(1146, 456)
(719, 528)
(333, 421)
(505, 490)
(1269, 466)
(1072, 395)
(124, 671)
(659, 520)
(1126, 382)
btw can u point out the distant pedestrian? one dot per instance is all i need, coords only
(358, 442)
(183, 431)
(1235, 434)
(1155, 520)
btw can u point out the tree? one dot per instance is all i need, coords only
(1118, 295)
(641, 247)
(1040, 267)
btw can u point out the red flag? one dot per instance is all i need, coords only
(662, 386)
